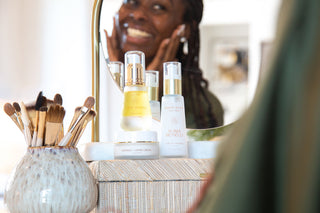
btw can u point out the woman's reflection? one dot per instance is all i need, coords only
(167, 30)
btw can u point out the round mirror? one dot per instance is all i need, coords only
(219, 64)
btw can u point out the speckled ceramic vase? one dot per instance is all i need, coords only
(51, 179)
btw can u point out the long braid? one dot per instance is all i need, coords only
(190, 67)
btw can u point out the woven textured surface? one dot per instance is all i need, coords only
(164, 185)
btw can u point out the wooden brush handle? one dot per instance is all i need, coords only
(52, 133)
(15, 120)
(60, 134)
(79, 133)
(74, 119)
(41, 128)
(27, 135)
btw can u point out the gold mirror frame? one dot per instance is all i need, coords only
(193, 134)
(95, 23)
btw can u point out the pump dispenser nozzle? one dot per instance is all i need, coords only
(135, 70)
(172, 78)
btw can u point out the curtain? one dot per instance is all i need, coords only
(270, 160)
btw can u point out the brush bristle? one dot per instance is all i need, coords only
(77, 109)
(90, 101)
(39, 101)
(16, 106)
(44, 101)
(91, 115)
(49, 103)
(57, 99)
(43, 109)
(8, 108)
(30, 106)
(55, 114)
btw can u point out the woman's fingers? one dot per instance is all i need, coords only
(174, 43)
(112, 50)
(112, 42)
(168, 49)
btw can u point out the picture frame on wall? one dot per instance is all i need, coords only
(224, 62)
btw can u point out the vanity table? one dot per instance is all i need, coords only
(162, 185)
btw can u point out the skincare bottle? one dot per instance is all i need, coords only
(152, 83)
(173, 141)
(116, 69)
(136, 113)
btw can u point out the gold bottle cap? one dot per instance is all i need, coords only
(152, 84)
(135, 71)
(172, 78)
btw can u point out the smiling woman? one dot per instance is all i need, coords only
(168, 31)
(146, 25)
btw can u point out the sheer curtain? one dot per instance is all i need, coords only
(45, 45)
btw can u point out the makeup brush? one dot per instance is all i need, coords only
(75, 133)
(80, 111)
(39, 101)
(31, 114)
(17, 108)
(41, 125)
(9, 109)
(57, 99)
(82, 127)
(77, 112)
(26, 123)
(37, 107)
(78, 117)
(61, 134)
(54, 121)
(47, 102)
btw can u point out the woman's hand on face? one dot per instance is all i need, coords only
(168, 49)
(113, 43)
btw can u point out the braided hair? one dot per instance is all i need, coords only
(194, 85)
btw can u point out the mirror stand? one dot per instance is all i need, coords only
(95, 67)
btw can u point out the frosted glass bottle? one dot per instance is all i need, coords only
(152, 84)
(173, 141)
(116, 69)
(136, 113)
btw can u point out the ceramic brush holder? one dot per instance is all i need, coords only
(51, 179)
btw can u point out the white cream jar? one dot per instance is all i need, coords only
(137, 145)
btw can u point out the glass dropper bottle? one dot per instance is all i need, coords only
(116, 68)
(136, 114)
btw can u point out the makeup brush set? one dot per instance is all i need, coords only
(42, 122)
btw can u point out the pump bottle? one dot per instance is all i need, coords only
(173, 141)
(152, 83)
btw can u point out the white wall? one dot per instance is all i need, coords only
(252, 22)
(45, 46)
(261, 17)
